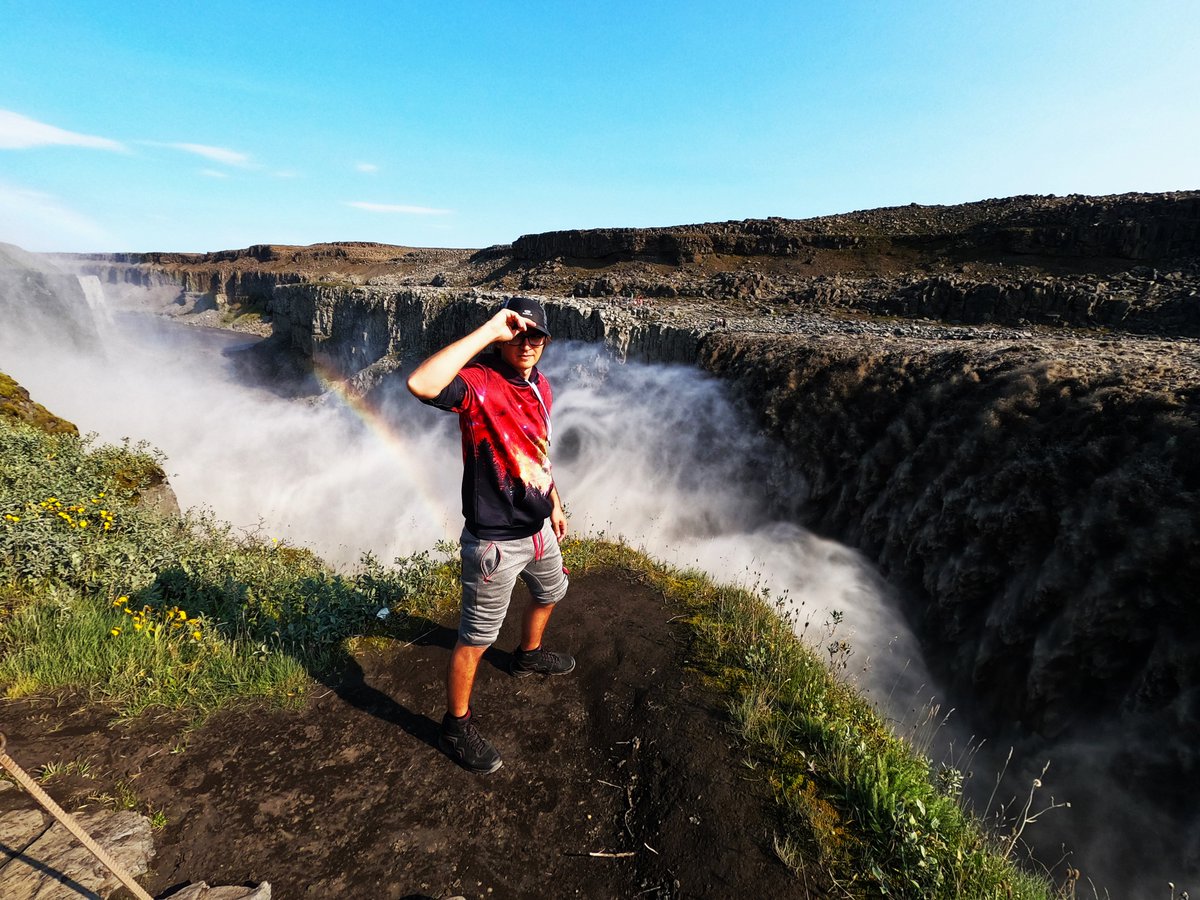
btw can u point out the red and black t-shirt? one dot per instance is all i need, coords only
(505, 423)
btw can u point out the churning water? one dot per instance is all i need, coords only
(659, 455)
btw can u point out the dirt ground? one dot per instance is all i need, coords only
(628, 756)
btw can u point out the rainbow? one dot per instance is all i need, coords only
(434, 507)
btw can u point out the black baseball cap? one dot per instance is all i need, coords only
(531, 310)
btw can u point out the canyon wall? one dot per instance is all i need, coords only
(1034, 493)
(245, 286)
(348, 330)
(1125, 262)
(1036, 497)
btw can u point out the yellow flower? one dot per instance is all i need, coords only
(83, 523)
(195, 635)
(137, 626)
(182, 616)
(115, 631)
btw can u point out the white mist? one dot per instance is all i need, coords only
(658, 455)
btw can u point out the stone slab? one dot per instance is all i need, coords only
(56, 866)
(202, 891)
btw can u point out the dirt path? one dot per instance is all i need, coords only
(349, 797)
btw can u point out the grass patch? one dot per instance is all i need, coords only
(250, 312)
(854, 802)
(142, 610)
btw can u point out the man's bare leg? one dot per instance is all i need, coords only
(458, 737)
(534, 624)
(460, 678)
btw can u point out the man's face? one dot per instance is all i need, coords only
(523, 355)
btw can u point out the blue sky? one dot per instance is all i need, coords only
(206, 126)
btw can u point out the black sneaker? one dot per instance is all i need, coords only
(543, 662)
(461, 741)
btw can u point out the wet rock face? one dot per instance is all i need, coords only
(1036, 497)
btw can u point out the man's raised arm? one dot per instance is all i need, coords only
(431, 377)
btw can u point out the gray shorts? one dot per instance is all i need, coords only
(489, 573)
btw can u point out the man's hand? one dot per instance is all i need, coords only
(558, 519)
(508, 323)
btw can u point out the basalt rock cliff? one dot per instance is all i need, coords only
(1126, 262)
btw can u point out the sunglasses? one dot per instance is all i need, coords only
(533, 340)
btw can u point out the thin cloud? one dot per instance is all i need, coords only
(399, 208)
(18, 132)
(213, 173)
(366, 167)
(39, 221)
(216, 154)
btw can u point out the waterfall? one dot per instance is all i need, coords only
(93, 292)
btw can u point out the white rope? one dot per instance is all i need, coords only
(545, 411)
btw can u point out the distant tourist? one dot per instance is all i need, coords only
(514, 517)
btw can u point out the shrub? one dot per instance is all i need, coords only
(144, 609)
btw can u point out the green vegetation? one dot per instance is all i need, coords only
(855, 803)
(16, 405)
(100, 594)
(253, 311)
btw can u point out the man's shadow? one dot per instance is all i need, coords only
(348, 681)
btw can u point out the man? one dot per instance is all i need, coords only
(514, 517)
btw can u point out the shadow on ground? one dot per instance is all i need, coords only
(619, 780)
